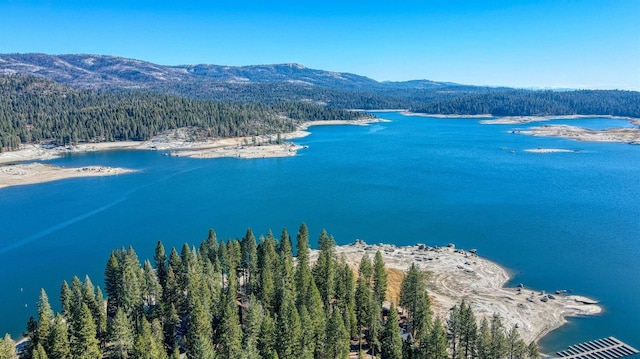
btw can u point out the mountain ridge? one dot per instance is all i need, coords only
(90, 71)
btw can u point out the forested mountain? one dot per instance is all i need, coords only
(249, 299)
(37, 110)
(296, 83)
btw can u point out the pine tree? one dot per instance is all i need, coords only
(146, 345)
(251, 333)
(45, 320)
(83, 343)
(515, 346)
(337, 342)
(170, 327)
(99, 314)
(249, 263)
(121, 335)
(267, 260)
(65, 298)
(8, 348)
(392, 342)
(324, 269)
(468, 331)
(363, 298)
(285, 272)
(379, 278)
(58, 339)
(483, 341)
(532, 351)
(454, 326)
(267, 337)
(160, 262)
(375, 326)
(437, 347)
(498, 340)
(39, 352)
(412, 290)
(230, 335)
(303, 276)
(313, 305)
(288, 330)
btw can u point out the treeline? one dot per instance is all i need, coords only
(444, 99)
(250, 299)
(34, 110)
(537, 103)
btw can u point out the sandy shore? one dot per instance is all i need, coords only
(517, 120)
(623, 135)
(550, 150)
(177, 142)
(23, 174)
(454, 275)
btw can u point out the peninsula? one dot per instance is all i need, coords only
(456, 274)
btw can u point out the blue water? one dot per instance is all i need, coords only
(558, 220)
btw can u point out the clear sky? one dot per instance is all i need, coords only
(544, 43)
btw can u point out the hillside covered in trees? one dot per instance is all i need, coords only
(34, 110)
(294, 83)
(248, 298)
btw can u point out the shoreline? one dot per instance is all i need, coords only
(518, 120)
(13, 172)
(455, 274)
(417, 114)
(620, 135)
(33, 173)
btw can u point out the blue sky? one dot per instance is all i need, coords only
(545, 43)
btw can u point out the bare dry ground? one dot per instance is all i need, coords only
(454, 275)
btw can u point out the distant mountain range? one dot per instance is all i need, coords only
(290, 83)
(109, 72)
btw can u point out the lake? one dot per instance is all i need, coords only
(556, 220)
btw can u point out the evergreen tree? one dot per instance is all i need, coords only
(515, 346)
(324, 269)
(249, 263)
(146, 344)
(363, 299)
(99, 314)
(121, 336)
(288, 330)
(8, 348)
(379, 278)
(374, 329)
(151, 290)
(58, 339)
(230, 335)
(498, 340)
(160, 262)
(468, 331)
(45, 321)
(303, 276)
(392, 342)
(532, 351)
(267, 337)
(170, 327)
(285, 272)
(483, 342)
(39, 352)
(454, 326)
(83, 343)
(337, 342)
(412, 291)
(313, 305)
(267, 260)
(65, 298)
(437, 347)
(251, 333)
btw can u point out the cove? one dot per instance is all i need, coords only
(556, 220)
